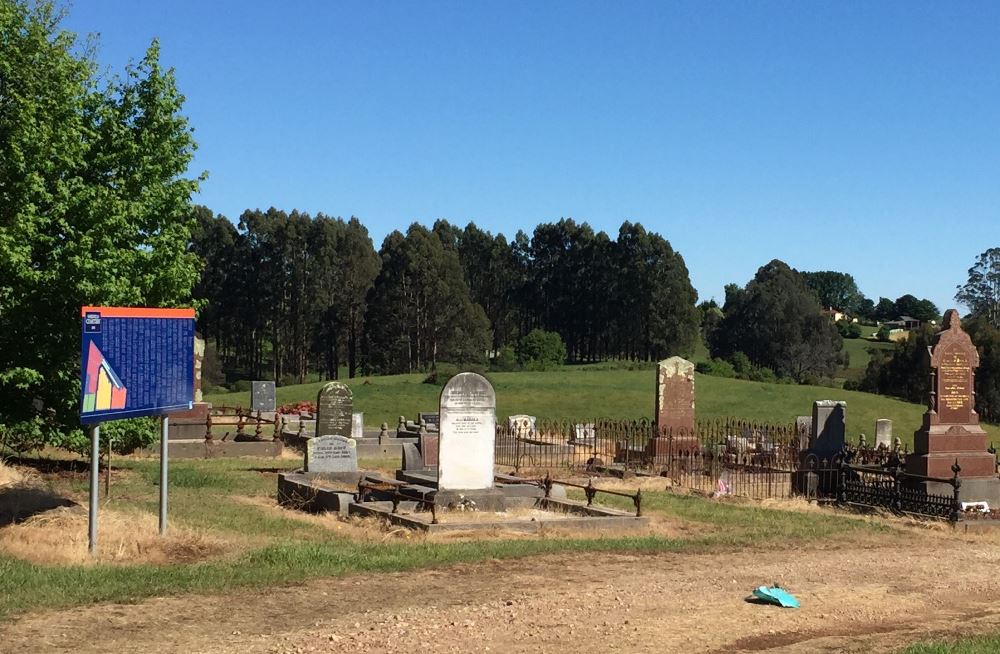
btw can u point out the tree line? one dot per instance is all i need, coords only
(283, 293)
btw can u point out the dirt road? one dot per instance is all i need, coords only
(863, 597)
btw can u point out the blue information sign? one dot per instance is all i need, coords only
(135, 362)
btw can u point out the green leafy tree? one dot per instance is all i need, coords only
(775, 321)
(981, 293)
(94, 209)
(541, 350)
(836, 290)
(986, 336)
(922, 310)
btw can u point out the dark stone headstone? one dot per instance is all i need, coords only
(411, 457)
(431, 419)
(829, 428)
(803, 431)
(262, 396)
(334, 409)
(331, 454)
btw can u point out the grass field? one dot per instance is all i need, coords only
(972, 645)
(582, 392)
(230, 501)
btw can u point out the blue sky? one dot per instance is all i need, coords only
(860, 137)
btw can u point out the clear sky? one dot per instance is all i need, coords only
(855, 136)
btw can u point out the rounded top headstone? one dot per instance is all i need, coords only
(468, 389)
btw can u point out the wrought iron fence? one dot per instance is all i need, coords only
(741, 457)
(890, 487)
(726, 456)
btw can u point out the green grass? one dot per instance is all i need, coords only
(971, 645)
(582, 392)
(283, 549)
(858, 349)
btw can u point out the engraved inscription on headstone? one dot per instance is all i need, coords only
(331, 454)
(262, 396)
(468, 431)
(334, 409)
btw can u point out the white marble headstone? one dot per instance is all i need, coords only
(468, 431)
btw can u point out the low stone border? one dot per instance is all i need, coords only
(591, 518)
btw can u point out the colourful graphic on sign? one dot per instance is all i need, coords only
(135, 362)
(104, 390)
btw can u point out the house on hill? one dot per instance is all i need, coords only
(906, 323)
(836, 315)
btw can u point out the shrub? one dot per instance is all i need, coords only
(716, 368)
(541, 350)
(741, 364)
(241, 386)
(506, 360)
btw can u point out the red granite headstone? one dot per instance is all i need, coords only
(951, 430)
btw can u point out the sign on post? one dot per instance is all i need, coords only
(134, 362)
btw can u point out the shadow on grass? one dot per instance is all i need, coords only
(18, 503)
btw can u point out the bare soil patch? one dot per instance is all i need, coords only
(871, 595)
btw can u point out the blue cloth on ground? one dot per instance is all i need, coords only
(776, 595)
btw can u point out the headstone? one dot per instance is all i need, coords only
(411, 457)
(429, 449)
(199, 357)
(357, 426)
(883, 433)
(331, 453)
(431, 419)
(468, 431)
(675, 396)
(262, 396)
(584, 433)
(521, 424)
(334, 408)
(829, 428)
(951, 432)
(803, 431)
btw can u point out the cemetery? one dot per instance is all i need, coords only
(491, 327)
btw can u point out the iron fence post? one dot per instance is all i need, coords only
(956, 485)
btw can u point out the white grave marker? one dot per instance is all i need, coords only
(468, 431)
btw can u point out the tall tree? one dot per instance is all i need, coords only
(981, 293)
(94, 209)
(775, 321)
(419, 310)
(836, 290)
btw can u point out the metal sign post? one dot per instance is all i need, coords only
(95, 455)
(164, 428)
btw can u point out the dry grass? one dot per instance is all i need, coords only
(9, 475)
(59, 537)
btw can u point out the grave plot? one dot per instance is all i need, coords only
(448, 480)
